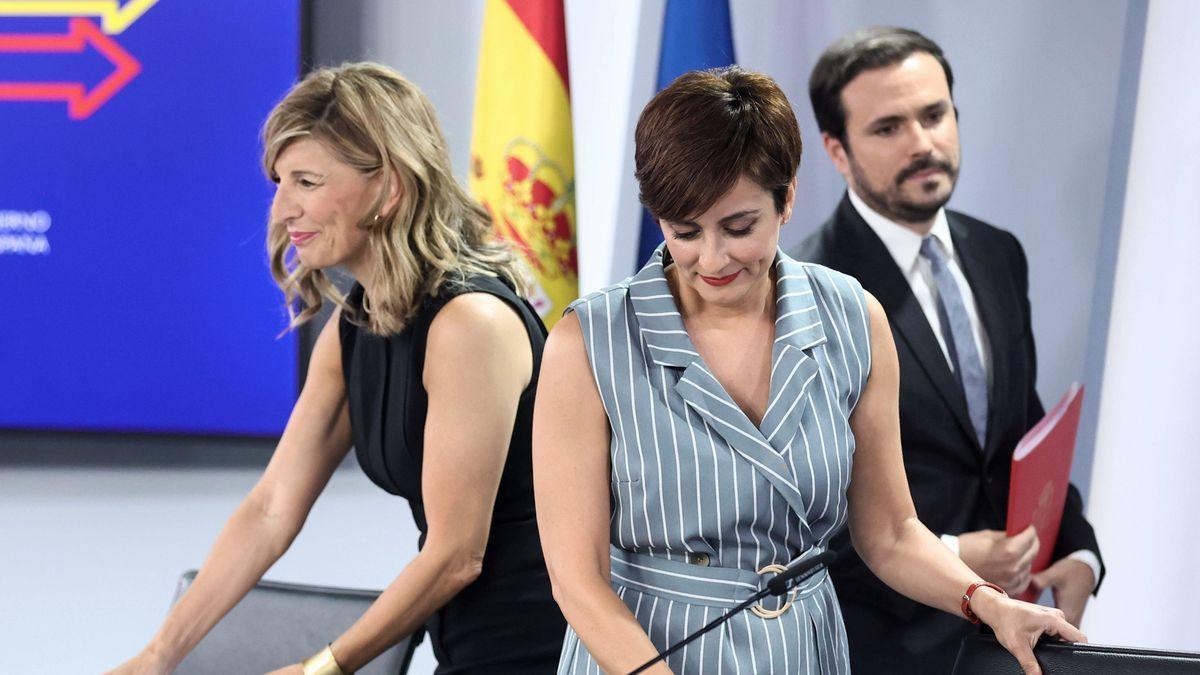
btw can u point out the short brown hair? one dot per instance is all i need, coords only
(697, 137)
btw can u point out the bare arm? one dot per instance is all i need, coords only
(571, 484)
(264, 525)
(885, 530)
(477, 363)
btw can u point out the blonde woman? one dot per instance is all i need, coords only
(428, 366)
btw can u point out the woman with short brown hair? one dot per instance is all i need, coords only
(722, 414)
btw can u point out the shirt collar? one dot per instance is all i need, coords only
(900, 241)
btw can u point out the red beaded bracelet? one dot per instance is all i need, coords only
(966, 599)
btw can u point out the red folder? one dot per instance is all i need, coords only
(1041, 468)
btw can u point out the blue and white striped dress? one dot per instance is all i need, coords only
(702, 498)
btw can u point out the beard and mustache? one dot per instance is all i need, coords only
(892, 202)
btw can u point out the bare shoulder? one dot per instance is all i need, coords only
(482, 330)
(565, 343)
(883, 346)
(875, 310)
(566, 375)
(326, 357)
(567, 328)
(570, 426)
(475, 317)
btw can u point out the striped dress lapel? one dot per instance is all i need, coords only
(798, 328)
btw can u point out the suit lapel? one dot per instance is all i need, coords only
(876, 270)
(658, 318)
(798, 330)
(707, 398)
(668, 345)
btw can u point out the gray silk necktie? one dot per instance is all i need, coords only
(960, 340)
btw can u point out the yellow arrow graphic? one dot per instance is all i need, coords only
(113, 17)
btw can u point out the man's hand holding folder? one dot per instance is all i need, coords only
(1041, 469)
(1003, 560)
(1019, 559)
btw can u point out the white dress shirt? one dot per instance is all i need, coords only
(904, 245)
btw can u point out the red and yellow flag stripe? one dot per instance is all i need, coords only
(522, 153)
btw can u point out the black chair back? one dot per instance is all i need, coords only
(277, 624)
(982, 655)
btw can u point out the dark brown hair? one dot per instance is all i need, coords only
(697, 137)
(851, 54)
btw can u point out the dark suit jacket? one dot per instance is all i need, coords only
(957, 486)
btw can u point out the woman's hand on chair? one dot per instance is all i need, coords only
(1018, 625)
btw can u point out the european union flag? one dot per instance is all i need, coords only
(696, 35)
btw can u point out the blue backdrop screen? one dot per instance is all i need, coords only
(136, 295)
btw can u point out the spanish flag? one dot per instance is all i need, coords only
(522, 155)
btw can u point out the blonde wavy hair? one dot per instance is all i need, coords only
(379, 123)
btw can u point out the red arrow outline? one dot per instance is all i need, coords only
(80, 102)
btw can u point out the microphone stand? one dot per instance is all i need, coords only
(778, 585)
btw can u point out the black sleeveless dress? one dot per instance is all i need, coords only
(506, 621)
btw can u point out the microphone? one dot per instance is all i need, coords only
(778, 585)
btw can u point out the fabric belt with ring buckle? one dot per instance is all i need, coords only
(775, 613)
